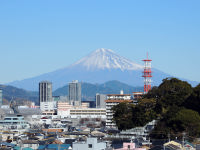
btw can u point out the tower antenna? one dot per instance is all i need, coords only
(147, 74)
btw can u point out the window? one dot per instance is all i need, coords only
(89, 145)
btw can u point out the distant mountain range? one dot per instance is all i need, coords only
(88, 91)
(100, 66)
(11, 92)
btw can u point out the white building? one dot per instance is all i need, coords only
(63, 108)
(14, 122)
(90, 144)
(88, 113)
(112, 100)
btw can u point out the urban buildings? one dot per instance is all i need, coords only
(90, 144)
(1, 97)
(100, 100)
(45, 96)
(112, 100)
(14, 121)
(75, 92)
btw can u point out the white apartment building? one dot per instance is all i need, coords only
(65, 109)
(112, 100)
(88, 113)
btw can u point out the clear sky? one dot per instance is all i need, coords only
(40, 36)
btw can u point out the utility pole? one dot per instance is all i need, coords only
(183, 142)
(168, 137)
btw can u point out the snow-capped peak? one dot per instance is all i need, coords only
(107, 59)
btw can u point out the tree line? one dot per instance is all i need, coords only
(175, 104)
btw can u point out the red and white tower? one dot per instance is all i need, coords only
(147, 74)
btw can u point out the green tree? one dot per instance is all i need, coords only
(127, 116)
(193, 101)
(173, 91)
(122, 115)
(170, 92)
(186, 120)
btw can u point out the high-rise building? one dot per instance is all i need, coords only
(45, 96)
(1, 97)
(75, 92)
(112, 100)
(100, 100)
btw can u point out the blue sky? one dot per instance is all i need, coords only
(37, 36)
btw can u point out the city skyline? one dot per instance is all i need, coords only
(42, 36)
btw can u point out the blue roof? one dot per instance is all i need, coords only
(7, 144)
(27, 148)
(54, 146)
(41, 147)
(17, 148)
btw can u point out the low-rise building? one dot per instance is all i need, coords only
(129, 146)
(90, 144)
(88, 113)
(29, 144)
(14, 121)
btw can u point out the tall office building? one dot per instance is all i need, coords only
(100, 100)
(75, 92)
(1, 97)
(45, 96)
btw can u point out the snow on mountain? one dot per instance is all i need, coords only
(106, 59)
(100, 66)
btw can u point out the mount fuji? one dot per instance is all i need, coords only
(100, 66)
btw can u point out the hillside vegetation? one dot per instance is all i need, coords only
(10, 92)
(174, 103)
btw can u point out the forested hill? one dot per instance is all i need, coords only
(10, 92)
(175, 104)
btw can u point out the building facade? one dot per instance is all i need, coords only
(112, 100)
(1, 97)
(45, 96)
(65, 109)
(75, 92)
(100, 100)
(13, 121)
(90, 144)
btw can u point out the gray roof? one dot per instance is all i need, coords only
(6, 111)
(29, 111)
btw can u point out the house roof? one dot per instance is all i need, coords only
(7, 144)
(27, 148)
(54, 146)
(30, 142)
(41, 147)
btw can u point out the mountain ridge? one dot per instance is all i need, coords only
(89, 91)
(99, 66)
(106, 59)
